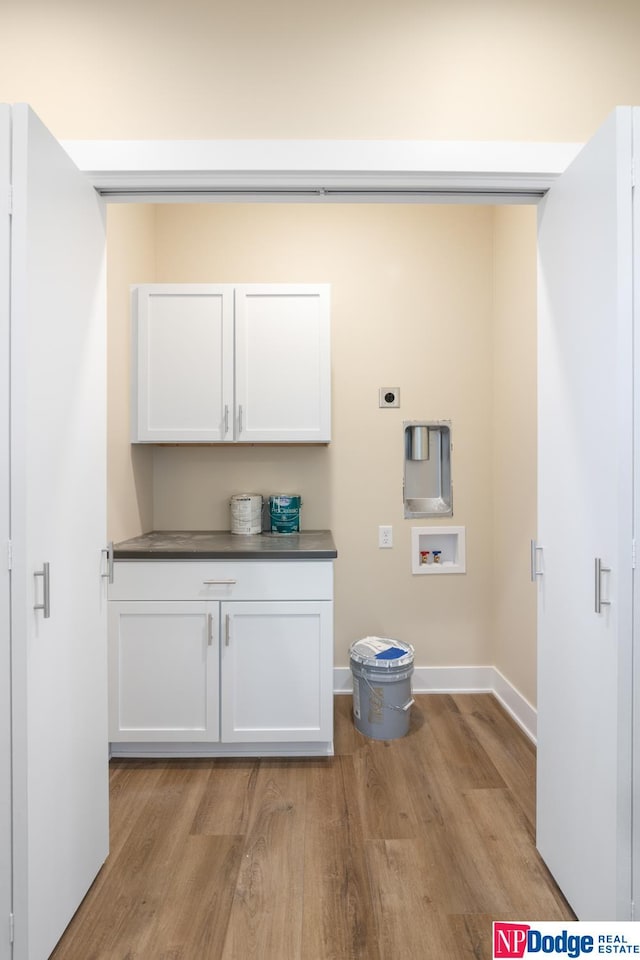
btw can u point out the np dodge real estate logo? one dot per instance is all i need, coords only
(564, 939)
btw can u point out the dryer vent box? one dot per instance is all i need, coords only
(427, 468)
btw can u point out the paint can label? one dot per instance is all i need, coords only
(284, 513)
(246, 513)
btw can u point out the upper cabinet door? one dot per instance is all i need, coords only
(283, 379)
(585, 513)
(182, 363)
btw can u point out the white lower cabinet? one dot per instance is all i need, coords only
(196, 667)
(276, 668)
(163, 670)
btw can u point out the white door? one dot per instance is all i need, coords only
(283, 379)
(276, 671)
(164, 670)
(58, 497)
(585, 514)
(5, 622)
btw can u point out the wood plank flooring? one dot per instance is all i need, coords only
(406, 848)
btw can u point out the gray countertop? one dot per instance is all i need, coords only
(222, 545)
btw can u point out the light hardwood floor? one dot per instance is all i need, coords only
(391, 850)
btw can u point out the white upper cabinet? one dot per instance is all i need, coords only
(182, 363)
(282, 363)
(233, 363)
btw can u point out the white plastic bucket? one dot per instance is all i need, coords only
(246, 513)
(381, 670)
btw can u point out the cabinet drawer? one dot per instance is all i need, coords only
(222, 580)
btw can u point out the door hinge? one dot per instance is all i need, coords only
(11, 928)
(9, 554)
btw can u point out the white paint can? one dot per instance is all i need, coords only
(246, 513)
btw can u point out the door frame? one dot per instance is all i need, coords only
(6, 846)
(635, 660)
(321, 170)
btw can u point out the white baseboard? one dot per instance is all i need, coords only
(462, 680)
(515, 704)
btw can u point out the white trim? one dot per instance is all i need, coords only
(462, 680)
(320, 169)
(525, 715)
(146, 750)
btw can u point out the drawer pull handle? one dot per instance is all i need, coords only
(223, 582)
(227, 630)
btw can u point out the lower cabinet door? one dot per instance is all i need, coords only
(277, 671)
(163, 670)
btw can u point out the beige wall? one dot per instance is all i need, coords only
(403, 69)
(131, 259)
(514, 446)
(412, 306)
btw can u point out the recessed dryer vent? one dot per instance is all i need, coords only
(427, 488)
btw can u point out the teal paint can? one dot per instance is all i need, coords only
(284, 513)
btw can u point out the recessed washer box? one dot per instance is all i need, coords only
(438, 550)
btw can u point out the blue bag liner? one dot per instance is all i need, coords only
(391, 654)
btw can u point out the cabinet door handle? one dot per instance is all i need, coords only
(239, 419)
(108, 550)
(227, 630)
(226, 419)
(223, 582)
(535, 571)
(600, 603)
(45, 606)
(209, 629)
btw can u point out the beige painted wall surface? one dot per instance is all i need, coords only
(131, 259)
(407, 69)
(412, 290)
(514, 446)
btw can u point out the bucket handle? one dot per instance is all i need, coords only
(389, 706)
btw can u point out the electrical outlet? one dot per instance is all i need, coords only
(385, 536)
(389, 396)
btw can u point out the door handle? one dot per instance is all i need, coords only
(108, 550)
(227, 630)
(226, 419)
(239, 419)
(45, 606)
(209, 629)
(535, 570)
(600, 603)
(225, 583)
